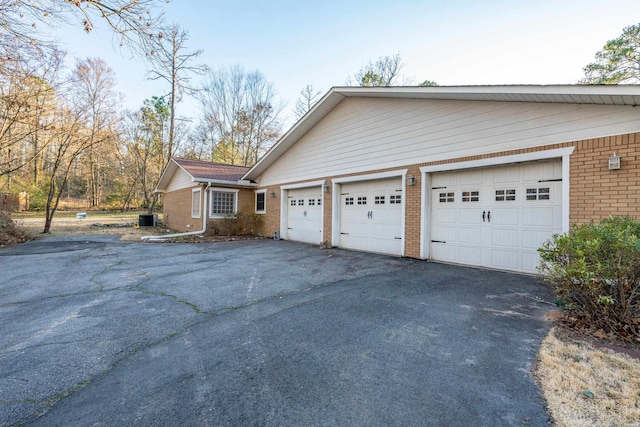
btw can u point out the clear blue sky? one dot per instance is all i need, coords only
(454, 42)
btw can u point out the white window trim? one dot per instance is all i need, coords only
(222, 190)
(255, 200)
(193, 194)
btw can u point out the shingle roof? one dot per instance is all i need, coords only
(201, 170)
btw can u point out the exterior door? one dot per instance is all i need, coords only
(371, 216)
(304, 215)
(496, 217)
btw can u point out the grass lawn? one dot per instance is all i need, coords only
(586, 386)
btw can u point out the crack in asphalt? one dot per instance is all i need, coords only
(50, 401)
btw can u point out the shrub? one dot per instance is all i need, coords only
(242, 224)
(10, 233)
(595, 273)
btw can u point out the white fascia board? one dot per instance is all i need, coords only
(225, 182)
(302, 185)
(501, 160)
(371, 176)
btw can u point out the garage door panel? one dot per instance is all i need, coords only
(529, 261)
(304, 215)
(506, 175)
(443, 252)
(522, 207)
(469, 255)
(501, 216)
(468, 216)
(505, 237)
(505, 259)
(371, 216)
(533, 239)
(470, 235)
(445, 234)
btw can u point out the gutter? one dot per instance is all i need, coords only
(189, 233)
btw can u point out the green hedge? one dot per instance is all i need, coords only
(594, 271)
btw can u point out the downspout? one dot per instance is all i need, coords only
(189, 233)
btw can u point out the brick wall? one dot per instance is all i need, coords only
(177, 211)
(597, 192)
(271, 221)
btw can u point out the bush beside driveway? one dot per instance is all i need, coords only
(98, 331)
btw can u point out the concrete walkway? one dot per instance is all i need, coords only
(95, 331)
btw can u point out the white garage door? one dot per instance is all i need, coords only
(371, 216)
(496, 217)
(304, 215)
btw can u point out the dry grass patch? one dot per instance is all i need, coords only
(585, 386)
(66, 223)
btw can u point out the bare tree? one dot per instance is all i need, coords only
(171, 63)
(68, 142)
(241, 112)
(308, 98)
(28, 82)
(135, 23)
(94, 82)
(384, 71)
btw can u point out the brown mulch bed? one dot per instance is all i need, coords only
(568, 331)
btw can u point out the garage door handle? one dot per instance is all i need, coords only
(489, 216)
(483, 214)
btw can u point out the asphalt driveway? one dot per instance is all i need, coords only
(95, 331)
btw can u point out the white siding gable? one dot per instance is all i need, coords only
(364, 134)
(180, 180)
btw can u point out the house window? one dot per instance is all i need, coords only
(196, 196)
(224, 203)
(261, 201)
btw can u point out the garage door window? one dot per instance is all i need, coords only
(348, 201)
(379, 200)
(505, 195)
(470, 196)
(362, 200)
(538, 193)
(395, 200)
(447, 197)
